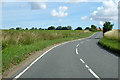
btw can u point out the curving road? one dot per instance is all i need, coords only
(75, 59)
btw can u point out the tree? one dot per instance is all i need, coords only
(26, 29)
(99, 28)
(59, 28)
(32, 28)
(51, 28)
(11, 29)
(107, 27)
(78, 28)
(64, 28)
(35, 28)
(18, 28)
(40, 28)
(93, 28)
(87, 28)
(69, 28)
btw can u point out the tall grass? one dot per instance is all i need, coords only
(17, 45)
(113, 35)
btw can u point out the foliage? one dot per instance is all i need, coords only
(18, 44)
(69, 28)
(87, 28)
(18, 28)
(78, 28)
(59, 28)
(112, 45)
(51, 28)
(93, 28)
(107, 27)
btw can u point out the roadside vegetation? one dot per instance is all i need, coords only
(18, 44)
(111, 39)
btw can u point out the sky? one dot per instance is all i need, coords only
(45, 14)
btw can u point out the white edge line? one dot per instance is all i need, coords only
(42, 56)
(36, 61)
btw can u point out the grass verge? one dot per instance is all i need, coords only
(111, 45)
(16, 53)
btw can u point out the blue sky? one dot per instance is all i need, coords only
(20, 14)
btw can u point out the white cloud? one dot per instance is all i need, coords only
(37, 5)
(107, 12)
(61, 12)
(84, 17)
(101, 23)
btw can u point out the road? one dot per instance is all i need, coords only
(75, 59)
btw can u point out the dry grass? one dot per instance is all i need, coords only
(113, 35)
(16, 44)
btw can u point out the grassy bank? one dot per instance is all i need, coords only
(111, 41)
(17, 45)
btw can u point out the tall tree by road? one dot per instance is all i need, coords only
(107, 26)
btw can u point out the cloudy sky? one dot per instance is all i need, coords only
(73, 13)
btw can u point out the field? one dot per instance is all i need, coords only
(18, 44)
(111, 40)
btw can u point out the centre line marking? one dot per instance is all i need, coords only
(82, 61)
(77, 45)
(76, 51)
(90, 70)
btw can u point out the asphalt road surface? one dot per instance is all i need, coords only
(75, 59)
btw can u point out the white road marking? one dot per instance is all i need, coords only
(90, 70)
(20, 74)
(76, 51)
(82, 60)
(87, 66)
(77, 45)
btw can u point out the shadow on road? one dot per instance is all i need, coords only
(111, 52)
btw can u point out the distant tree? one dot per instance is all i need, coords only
(40, 28)
(59, 28)
(99, 28)
(93, 28)
(51, 28)
(35, 28)
(69, 28)
(26, 29)
(107, 26)
(78, 28)
(11, 29)
(18, 28)
(32, 28)
(64, 28)
(87, 28)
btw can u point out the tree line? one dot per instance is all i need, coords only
(106, 27)
(93, 28)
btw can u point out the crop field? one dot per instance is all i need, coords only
(113, 35)
(17, 44)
